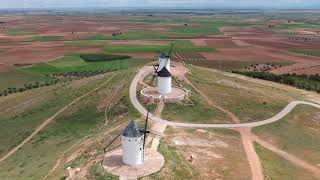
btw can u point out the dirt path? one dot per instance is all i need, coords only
(296, 161)
(159, 109)
(246, 136)
(108, 102)
(233, 117)
(252, 156)
(49, 120)
(62, 156)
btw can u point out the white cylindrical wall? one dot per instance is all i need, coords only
(132, 150)
(164, 85)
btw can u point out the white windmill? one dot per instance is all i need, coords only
(162, 71)
(133, 143)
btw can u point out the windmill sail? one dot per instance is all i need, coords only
(163, 61)
(145, 132)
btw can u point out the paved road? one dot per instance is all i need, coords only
(148, 69)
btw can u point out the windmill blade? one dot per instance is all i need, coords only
(105, 149)
(154, 76)
(175, 80)
(145, 126)
(171, 48)
(145, 131)
(155, 73)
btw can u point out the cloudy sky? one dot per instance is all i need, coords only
(160, 3)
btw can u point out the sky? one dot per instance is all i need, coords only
(6, 4)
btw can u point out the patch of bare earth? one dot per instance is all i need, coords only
(256, 54)
(299, 69)
(40, 52)
(6, 68)
(221, 43)
(199, 42)
(282, 44)
(213, 154)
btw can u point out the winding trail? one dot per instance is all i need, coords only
(49, 120)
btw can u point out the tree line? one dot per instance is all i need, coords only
(311, 82)
(27, 87)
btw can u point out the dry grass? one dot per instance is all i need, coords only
(218, 154)
(249, 100)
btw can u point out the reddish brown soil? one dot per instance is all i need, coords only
(188, 56)
(283, 44)
(246, 32)
(199, 42)
(257, 54)
(9, 39)
(303, 31)
(21, 53)
(299, 69)
(124, 43)
(5, 68)
(221, 43)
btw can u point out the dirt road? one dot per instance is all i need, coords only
(296, 161)
(47, 121)
(246, 137)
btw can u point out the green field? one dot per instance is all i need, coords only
(137, 49)
(42, 73)
(80, 120)
(20, 32)
(85, 43)
(300, 25)
(71, 63)
(23, 119)
(19, 78)
(195, 110)
(305, 52)
(248, 100)
(296, 133)
(47, 38)
(230, 65)
(131, 35)
(178, 167)
(275, 167)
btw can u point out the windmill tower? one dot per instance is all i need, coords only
(133, 143)
(164, 75)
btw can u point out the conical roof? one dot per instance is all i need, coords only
(133, 130)
(164, 73)
(163, 56)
